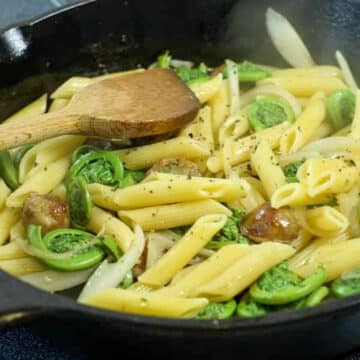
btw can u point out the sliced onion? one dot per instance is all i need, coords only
(183, 63)
(345, 68)
(57, 280)
(278, 91)
(234, 90)
(109, 275)
(287, 41)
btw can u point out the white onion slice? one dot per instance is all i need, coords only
(234, 89)
(287, 41)
(251, 95)
(109, 275)
(57, 280)
(345, 68)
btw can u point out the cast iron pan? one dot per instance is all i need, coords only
(101, 36)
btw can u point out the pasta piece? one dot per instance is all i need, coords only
(301, 257)
(242, 148)
(220, 105)
(302, 240)
(304, 127)
(4, 193)
(101, 220)
(200, 128)
(168, 190)
(76, 83)
(58, 104)
(245, 271)
(355, 125)
(326, 220)
(8, 218)
(349, 77)
(324, 130)
(170, 216)
(205, 90)
(235, 126)
(327, 176)
(200, 274)
(12, 251)
(348, 205)
(295, 194)
(146, 303)
(344, 131)
(42, 182)
(37, 107)
(46, 152)
(183, 251)
(264, 162)
(143, 157)
(306, 86)
(22, 266)
(233, 84)
(314, 71)
(336, 259)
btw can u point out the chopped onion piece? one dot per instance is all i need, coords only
(345, 68)
(109, 275)
(278, 91)
(234, 90)
(57, 280)
(287, 41)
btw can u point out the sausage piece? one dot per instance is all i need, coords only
(49, 211)
(268, 224)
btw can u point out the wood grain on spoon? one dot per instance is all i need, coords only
(141, 104)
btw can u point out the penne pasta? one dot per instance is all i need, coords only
(102, 221)
(183, 251)
(168, 190)
(8, 218)
(143, 157)
(355, 125)
(22, 266)
(4, 193)
(206, 90)
(11, 251)
(58, 104)
(170, 216)
(134, 302)
(314, 71)
(245, 271)
(299, 134)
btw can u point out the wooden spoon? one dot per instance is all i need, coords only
(150, 102)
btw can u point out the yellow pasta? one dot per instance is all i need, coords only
(58, 104)
(4, 193)
(326, 219)
(295, 194)
(202, 273)
(242, 148)
(168, 190)
(200, 128)
(205, 90)
(46, 152)
(220, 105)
(101, 220)
(8, 217)
(143, 157)
(304, 127)
(22, 266)
(305, 86)
(170, 216)
(245, 271)
(12, 251)
(336, 259)
(313, 71)
(37, 107)
(146, 303)
(327, 176)
(40, 182)
(183, 251)
(264, 162)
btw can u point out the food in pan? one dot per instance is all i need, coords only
(251, 208)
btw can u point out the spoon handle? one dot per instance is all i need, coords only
(37, 128)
